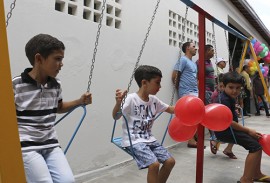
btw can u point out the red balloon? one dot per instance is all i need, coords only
(265, 143)
(218, 117)
(190, 110)
(180, 132)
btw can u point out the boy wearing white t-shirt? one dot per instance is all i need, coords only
(140, 110)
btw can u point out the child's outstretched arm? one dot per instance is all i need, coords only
(249, 131)
(170, 110)
(119, 95)
(85, 99)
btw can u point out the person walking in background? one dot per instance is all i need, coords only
(259, 93)
(248, 91)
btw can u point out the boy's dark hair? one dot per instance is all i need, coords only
(233, 77)
(43, 44)
(185, 46)
(220, 77)
(207, 47)
(146, 72)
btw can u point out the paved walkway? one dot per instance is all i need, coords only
(217, 168)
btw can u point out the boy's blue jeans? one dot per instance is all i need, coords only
(47, 166)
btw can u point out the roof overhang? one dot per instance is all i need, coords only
(251, 16)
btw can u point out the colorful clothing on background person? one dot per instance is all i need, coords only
(259, 92)
(209, 76)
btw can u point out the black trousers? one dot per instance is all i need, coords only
(246, 102)
(264, 105)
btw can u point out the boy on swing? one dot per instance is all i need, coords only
(245, 137)
(140, 110)
(37, 95)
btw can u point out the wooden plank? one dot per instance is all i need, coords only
(11, 164)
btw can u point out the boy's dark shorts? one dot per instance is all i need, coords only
(243, 139)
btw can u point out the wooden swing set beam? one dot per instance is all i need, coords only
(11, 164)
(248, 44)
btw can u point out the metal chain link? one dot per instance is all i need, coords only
(179, 56)
(228, 47)
(12, 6)
(234, 47)
(215, 51)
(96, 45)
(141, 51)
(214, 39)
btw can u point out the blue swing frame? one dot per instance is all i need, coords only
(118, 140)
(243, 122)
(78, 126)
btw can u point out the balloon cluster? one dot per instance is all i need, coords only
(190, 111)
(253, 68)
(261, 50)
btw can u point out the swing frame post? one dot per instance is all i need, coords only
(241, 64)
(202, 16)
(10, 155)
(201, 74)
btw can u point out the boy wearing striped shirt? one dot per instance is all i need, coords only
(37, 95)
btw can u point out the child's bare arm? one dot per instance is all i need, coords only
(119, 95)
(170, 110)
(85, 99)
(250, 131)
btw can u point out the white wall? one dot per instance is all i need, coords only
(117, 53)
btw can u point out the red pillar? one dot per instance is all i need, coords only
(201, 76)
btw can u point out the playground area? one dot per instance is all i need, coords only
(92, 158)
(217, 168)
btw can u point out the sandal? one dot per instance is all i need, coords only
(230, 155)
(265, 178)
(213, 147)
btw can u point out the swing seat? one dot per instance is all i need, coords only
(118, 141)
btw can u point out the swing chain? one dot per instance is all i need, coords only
(12, 6)
(214, 39)
(141, 51)
(180, 54)
(215, 50)
(228, 47)
(183, 33)
(96, 45)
